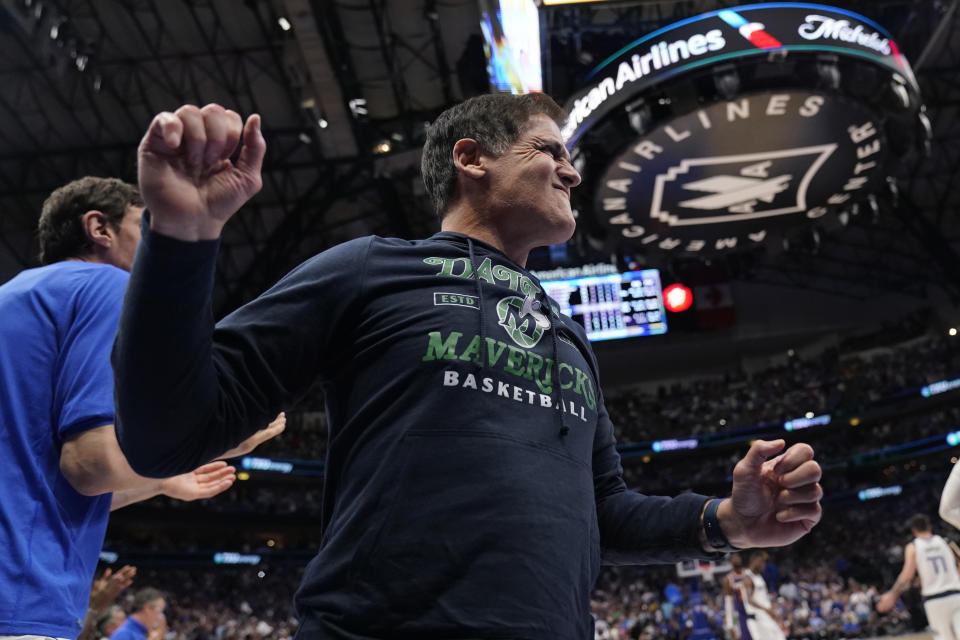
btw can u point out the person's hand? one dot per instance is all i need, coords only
(886, 602)
(272, 430)
(108, 586)
(187, 180)
(203, 482)
(774, 502)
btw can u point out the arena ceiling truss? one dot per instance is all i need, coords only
(346, 87)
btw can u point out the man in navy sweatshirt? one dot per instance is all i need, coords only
(472, 483)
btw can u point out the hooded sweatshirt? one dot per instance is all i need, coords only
(472, 477)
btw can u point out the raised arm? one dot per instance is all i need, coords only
(186, 390)
(165, 377)
(950, 498)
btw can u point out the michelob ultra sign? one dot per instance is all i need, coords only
(722, 36)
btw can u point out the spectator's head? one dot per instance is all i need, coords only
(758, 560)
(918, 524)
(148, 606)
(95, 219)
(110, 619)
(502, 154)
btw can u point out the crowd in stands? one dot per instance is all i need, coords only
(837, 447)
(837, 379)
(826, 585)
(834, 380)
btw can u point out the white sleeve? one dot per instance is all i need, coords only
(950, 499)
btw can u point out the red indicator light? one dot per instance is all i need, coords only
(677, 298)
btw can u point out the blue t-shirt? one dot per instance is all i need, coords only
(57, 325)
(129, 630)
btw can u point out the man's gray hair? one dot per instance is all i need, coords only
(495, 121)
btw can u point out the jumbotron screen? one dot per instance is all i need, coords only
(618, 305)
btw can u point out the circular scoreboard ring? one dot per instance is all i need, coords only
(736, 130)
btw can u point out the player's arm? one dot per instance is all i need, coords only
(950, 498)
(748, 585)
(909, 570)
(727, 604)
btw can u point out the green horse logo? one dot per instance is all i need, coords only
(522, 320)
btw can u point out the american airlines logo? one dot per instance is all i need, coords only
(747, 187)
(660, 56)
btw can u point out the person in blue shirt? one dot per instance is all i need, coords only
(63, 471)
(147, 620)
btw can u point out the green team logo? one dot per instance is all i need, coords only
(522, 320)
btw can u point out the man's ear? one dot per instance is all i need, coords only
(468, 158)
(96, 228)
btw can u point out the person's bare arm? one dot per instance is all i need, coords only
(94, 464)
(909, 570)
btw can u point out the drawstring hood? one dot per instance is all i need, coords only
(481, 358)
(562, 414)
(532, 306)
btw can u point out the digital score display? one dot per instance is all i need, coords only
(618, 305)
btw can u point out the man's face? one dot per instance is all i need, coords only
(153, 613)
(119, 617)
(126, 239)
(530, 184)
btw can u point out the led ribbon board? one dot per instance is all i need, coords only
(726, 35)
(724, 131)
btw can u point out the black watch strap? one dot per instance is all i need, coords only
(712, 530)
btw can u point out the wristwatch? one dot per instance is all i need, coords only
(712, 530)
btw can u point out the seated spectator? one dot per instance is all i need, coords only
(147, 622)
(109, 620)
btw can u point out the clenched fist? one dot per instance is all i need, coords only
(188, 181)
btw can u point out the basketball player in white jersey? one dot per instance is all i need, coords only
(931, 557)
(762, 621)
(734, 615)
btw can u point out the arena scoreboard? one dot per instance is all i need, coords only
(617, 305)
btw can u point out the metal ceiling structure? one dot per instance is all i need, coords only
(338, 80)
(81, 79)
